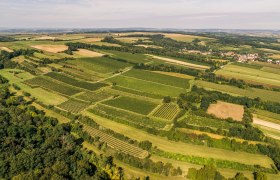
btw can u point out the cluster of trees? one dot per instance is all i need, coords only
(6, 39)
(34, 146)
(212, 96)
(210, 172)
(159, 167)
(5, 57)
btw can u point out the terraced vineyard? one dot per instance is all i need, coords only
(116, 143)
(74, 82)
(167, 111)
(125, 117)
(132, 104)
(52, 85)
(95, 96)
(74, 105)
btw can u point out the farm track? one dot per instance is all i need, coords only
(116, 143)
(266, 123)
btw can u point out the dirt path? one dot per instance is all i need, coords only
(266, 123)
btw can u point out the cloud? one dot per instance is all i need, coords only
(144, 13)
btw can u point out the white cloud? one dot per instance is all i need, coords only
(144, 13)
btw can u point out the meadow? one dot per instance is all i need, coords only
(250, 75)
(266, 95)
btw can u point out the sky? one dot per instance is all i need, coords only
(181, 14)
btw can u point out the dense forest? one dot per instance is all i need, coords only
(34, 146)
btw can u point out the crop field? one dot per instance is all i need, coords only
(136, 92)
(146, 86)
(181, 63)
(5, 49)
(52, 85)
(250, 75)
(158, 78)
(74, 106)
(183, 76)
(264, 94)
(87, 53)
(74, 71)
(95, 96)
(116, 143)
(167, 111)
(101, 65)
(126, 117)
(129, 57)
(131, 39)
(74, 82)
(132, 104)
(225, 110)
(267, 116)
(51, 48)
(185, 37)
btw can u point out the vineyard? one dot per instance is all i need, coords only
(167, 111)
(118, 114)
(52, 85)
(116, 143)
(132, 104)
(95, 96)
(74, 106)
(74, 82)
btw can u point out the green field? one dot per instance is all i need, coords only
(250, 75)
(101, 65)
(266, 95)
(158, 78)
(133, 58)
(146, 86)
(132, 104)
(50, 84)
(74, 82)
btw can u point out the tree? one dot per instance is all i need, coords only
(167, 99)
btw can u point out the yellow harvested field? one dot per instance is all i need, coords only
(184, 76)
(275, 56)
(148, 46)
(88, 53)
(51, 48)
(19, 59)
(226, 110)
(5, 49)
(45, 38)
(184, 37)
(182, 63)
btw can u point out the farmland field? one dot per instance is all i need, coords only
(87, 53)
(148, 99)
(158, 78)
(116, 143)
(52, 85)
(146, 86)
(95, 96)
(250, 75)
(132, 104)
(226, 110)
(266, 95)
(74, 105)
(74, 82)
(185, 37)
(167, 111)
(51, 48)
(101, 65)
(129, 118)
